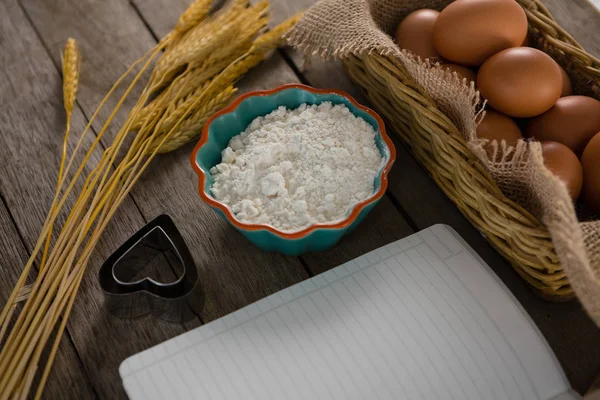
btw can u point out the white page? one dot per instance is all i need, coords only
(420, 318)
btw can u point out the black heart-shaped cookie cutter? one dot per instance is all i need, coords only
(177, 301)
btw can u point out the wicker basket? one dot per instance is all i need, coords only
(438, 145)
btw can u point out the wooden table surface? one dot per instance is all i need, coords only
(114, 33)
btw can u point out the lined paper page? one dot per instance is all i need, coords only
(420, 318)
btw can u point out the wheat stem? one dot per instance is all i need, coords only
(52, 216)
(190, 81)
(70, 65)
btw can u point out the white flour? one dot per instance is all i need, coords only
(294, 168)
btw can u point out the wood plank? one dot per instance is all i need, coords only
(427, 205)
(567, 328)
(68, 370)
(159, 15)
(167, 201)
(372, 233)
(382, 226)
(233, 273)
(581, 19)
(31, 128)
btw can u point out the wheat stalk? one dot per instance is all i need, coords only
(191, 80)
(195, 46)
(192, 16)
(71, 61)
(191, 127)
(9, 307)
(257, 52)
(28, 316)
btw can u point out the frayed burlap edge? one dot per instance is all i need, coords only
(332, 29)
(339, 28)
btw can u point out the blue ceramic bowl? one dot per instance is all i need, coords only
(234, 119)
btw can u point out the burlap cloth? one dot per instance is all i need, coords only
(339, 28)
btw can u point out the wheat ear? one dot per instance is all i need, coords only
(71, 61)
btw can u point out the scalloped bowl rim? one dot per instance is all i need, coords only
(339, 224)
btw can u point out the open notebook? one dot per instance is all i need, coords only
(420, 318)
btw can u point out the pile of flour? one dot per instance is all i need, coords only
(294, 168)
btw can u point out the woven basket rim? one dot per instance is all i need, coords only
(547, 277)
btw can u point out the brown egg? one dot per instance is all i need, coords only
(591, 174)
(468, 32)
(520, 82)
(567, 89)
(563, 163)
(496, 126)
(463, 72)
(527, 41)
(415, 33)
(573, 121)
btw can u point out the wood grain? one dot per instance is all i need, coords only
(383, 226)
(31, 131)
(160, 15)
(68, 371)
(572, 335)
(569, 331)
(580, 19)
(169, 186)
(232, 272)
